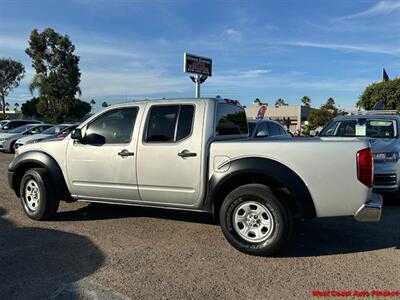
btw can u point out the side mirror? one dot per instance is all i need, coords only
(77, 134)
(262, 133)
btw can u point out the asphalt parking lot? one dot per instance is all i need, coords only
(120, 252)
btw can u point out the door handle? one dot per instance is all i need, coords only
(186, 153)
(125, 153)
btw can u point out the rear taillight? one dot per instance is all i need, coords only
(365, 167)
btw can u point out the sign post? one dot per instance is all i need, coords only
(201, 66)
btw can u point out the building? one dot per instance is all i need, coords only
(12, 114)
(293, 116)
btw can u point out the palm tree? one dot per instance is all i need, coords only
(16, 105)
(280, 102)
(306, 100)
(37, 83)
(104, 104)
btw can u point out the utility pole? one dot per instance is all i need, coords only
(197, 86)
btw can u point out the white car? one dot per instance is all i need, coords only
(51, 132)
(8, 139)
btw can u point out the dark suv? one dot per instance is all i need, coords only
(12, 124)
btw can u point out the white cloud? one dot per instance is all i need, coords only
(143, 84)
(347, 47)
(95, 49)
(13, 43)
(233, 34)
(381, 8)
(246, 73)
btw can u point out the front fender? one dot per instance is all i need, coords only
(37, 159)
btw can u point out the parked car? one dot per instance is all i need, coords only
(195, 154)
(382, 131)
(57, 131)
(267, 129)
(8, 139)
(12, 124)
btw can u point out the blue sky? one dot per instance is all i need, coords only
(266, 49)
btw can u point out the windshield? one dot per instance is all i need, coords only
(54, 129)
(375, 128)
(21, 129)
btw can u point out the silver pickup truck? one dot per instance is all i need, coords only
(194, 154)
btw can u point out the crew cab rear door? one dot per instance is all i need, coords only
(169, 165)
(103, 165)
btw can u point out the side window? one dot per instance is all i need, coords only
(282, 130)
(185, 122)
(274, 129)
(169, 123)
(262, 130)
(43, 128)
(113, 127)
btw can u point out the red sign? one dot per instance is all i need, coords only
(261, 111)
(197, 64)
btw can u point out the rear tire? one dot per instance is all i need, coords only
(38, 196)
(255, 221)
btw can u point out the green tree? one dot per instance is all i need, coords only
(330, 105)
(92, 103)
(7, 105)
(280, 102)
(306, 100)
(57, 74)
(11, 73)
(320, 117)
(16, 105)
(29, 108)
(104, 104)
(79, 110)
(388, 91)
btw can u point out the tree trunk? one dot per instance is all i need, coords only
(3, 105)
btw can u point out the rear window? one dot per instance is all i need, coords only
(231, 120)
(375, 128)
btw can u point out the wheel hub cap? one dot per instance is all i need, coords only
(32, 195)
(253, 221)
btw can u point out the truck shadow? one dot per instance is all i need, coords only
(328, 236)
(343, 235)
(39, 263)
(97, 211)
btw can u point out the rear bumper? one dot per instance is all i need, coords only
(371, 210)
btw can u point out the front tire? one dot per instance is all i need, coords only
(38, 197)
(255, 221)
(12, 147)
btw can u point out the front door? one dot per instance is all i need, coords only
(170, 154)
(102, 166)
